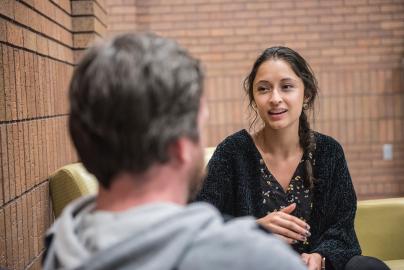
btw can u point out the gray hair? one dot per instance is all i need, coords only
(130, 98)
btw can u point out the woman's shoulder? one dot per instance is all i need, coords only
(327, 145)
(236, 140)
(238, 143)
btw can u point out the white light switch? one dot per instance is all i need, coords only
(387, 151)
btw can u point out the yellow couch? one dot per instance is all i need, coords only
(69, 183)
(73, 180)
(378, 223)
(379, 226)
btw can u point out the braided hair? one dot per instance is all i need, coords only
(304, 72)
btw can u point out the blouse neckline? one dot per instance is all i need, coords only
(262, 163)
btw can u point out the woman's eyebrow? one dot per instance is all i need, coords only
(262, 82)
(287, 79)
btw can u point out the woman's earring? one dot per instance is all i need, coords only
(305, 106)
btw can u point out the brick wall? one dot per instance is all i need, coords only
(39, 44)
(121, 16)
(355, 47)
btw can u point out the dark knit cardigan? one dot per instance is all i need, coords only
(233, 186)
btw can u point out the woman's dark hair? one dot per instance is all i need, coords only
(304, 72)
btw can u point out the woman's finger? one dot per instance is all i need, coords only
(311, 264)
(298, 221)
(305, 258)
(275, 228)
(291, 225)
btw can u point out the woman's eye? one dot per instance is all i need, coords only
(262, 88)
(287, 86)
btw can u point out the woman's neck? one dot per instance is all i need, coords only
(282, 143)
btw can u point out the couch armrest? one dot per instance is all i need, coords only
(68, 183)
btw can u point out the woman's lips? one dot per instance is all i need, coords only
(277, 115)
(277, 112)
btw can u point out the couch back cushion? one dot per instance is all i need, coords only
(379, 225)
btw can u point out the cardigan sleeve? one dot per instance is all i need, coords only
(338, 243)
(217, 188)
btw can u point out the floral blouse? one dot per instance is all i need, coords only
(275, 198)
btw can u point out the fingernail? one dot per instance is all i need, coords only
(304, 239)
(294, 242)
(308, 234)
(308, 227)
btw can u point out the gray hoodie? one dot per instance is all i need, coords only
(162, 236)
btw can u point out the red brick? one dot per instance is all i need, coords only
(392, 8)
(4, 162)
(48, 147)
(30, 144)
(17, 78)
(17, 160)
(3, 247)
(38, 93)
(9, 240)
(35, 221)
(41, 161)
(11, 163)
(331, 19)
(332, 51)
(23, 103)
(355, 3)
(25, 229)
(3, 30)
(9, 83)
(21, 13)
(28, 84)
(30, 41)
(342, 10)
(368, 9)
(45, 171)
(2, 88)
(34, 138)
(30, 223)
(7, 8)
(3, 158)
(392, 25)
(14, 34)
(14, 235)
(19, 215)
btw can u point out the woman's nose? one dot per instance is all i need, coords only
(275, 98)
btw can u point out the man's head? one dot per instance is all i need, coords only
(131, 99)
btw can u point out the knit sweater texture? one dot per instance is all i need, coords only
(233, 186)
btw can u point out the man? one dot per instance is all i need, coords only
(136, 115)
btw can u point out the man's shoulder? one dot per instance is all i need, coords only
(238, 244)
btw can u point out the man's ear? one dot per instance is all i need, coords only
(180, 151)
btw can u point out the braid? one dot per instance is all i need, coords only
(307, 142)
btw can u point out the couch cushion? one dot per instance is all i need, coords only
(395, 264)
(68, 183)
(379, 226)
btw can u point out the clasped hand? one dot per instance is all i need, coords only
(289, 227)
(292, 229)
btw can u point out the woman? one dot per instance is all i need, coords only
(293, 180)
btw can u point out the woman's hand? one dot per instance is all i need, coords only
(287, 226)
(312, 260)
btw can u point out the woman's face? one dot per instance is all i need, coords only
(278, 94)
